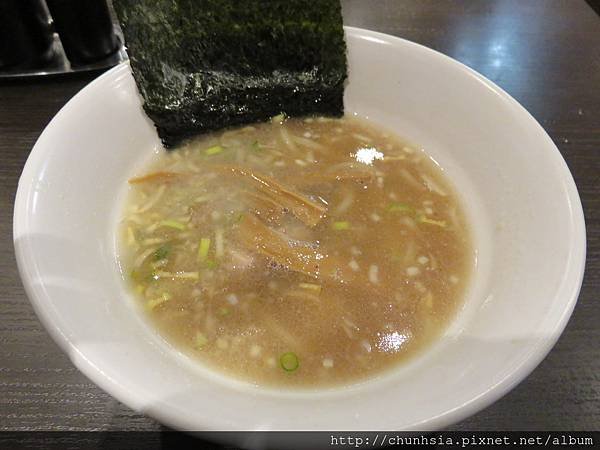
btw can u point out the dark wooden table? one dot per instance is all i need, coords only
(545, 53)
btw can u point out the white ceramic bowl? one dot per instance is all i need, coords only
(519, 194)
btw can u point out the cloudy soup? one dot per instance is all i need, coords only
(297, 252)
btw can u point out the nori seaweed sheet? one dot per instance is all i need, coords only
(202, 65)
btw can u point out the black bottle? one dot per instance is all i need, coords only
(85, 29)
(25, 34)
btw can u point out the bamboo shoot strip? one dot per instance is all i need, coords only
(284, 252)
(306, 210)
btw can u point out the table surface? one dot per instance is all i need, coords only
(545, 53)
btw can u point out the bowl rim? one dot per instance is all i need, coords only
(25, 256)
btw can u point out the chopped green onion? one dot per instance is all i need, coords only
(158, 264)
(224, 311)
(439, 223)
(339, 226)
(289, 361)
(161, 252)
(173, 224)
(203, 248)
(200, 341)
(151, 304)
(214, 150)
(239, 218)
(256, 146)
(165, 297)
(399, 207)
(311, 287)
(279, 118)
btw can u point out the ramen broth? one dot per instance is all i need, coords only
(297, 252)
